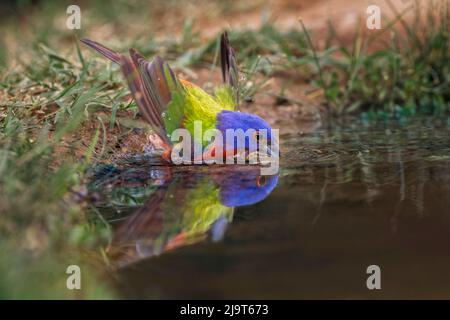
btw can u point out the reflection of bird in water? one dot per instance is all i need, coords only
(184, 207)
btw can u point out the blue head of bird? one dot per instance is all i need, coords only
(261, 134)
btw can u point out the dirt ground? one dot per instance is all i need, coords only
(285, 14)
(300, 110)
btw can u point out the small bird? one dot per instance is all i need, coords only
(160, 208)
(167, 102)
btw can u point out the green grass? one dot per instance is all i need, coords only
(43, 228)
(46, 225)
(409, 76)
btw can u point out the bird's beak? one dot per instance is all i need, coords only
(270, 151)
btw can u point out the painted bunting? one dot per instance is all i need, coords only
(166, 207)
(167, 102)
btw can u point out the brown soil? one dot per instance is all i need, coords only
(298, 110)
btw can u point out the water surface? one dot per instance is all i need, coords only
(345, 198)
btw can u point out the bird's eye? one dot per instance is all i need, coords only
(261, 181)
(257, 136)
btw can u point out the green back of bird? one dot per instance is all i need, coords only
(194, 104)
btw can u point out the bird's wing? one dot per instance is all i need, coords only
(164, 89)
(158, 79)
(168, 103)
(141, 234)
(203, 208)
(148, 106)
(152, 85)
(108, 53)
(230, 72)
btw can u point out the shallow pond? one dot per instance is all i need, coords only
(345, 198)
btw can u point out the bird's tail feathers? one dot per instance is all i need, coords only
(147, 82)
(106, 52)
(147, 107)
(230, 72)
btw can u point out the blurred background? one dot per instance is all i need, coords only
(311, 68)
